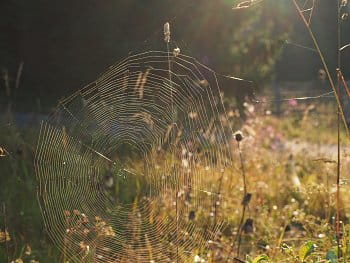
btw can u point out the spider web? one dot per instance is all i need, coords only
(128, 166)
(307, 9)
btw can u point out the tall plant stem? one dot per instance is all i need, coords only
(338, 189)
(244, 204)
(338, 130)
(167, 40)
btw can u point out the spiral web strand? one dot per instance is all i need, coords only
(128, 166)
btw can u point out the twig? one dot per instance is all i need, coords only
(239, 260)
(344, 47)
(345, 86)
(19, 74)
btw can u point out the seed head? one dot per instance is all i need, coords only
(322, 75)
(248, 226)
(345, 16)
(4, 236)
(192, 215)
(176, 52)
(238, 135)
(167, 32)
(2, 152)
(246, 199)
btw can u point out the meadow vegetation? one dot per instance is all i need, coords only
(290, 214)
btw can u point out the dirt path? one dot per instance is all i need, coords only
(327, 151)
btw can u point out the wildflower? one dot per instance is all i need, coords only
(176, 52)
(28, 250)
(250, 108)
(238, 135)
(2, 152)
(103, 229)
(85, 219)
(185, 163)
(293, 102)
(84, 246)
(198, 259)
(76, 212)
(192, 115)
(108, 232)
(66, 213)
(4, 236)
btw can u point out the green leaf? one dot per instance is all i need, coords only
(261, 258)
(331, 256)
(249, 259)
(306, 250)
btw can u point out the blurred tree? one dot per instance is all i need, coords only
(65, 45)
(258, 40)
(245, 43)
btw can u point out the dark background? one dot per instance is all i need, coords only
(66, 44)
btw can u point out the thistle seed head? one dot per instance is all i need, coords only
(238, 135)
(167, 32)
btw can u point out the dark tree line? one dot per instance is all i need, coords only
(66, 44)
